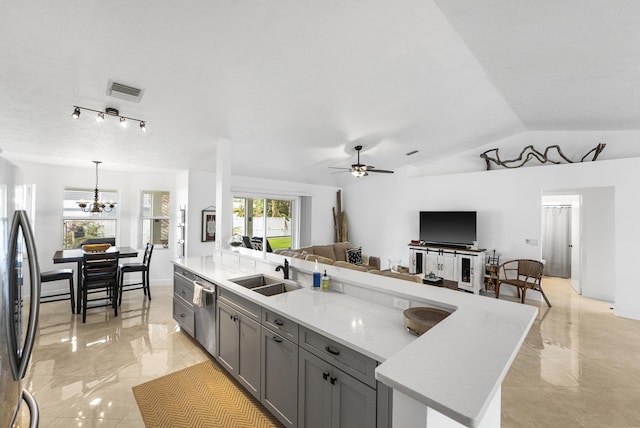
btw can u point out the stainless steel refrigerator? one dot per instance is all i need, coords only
(20, 281)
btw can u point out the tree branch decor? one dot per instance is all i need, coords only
(340, 233)
(529, 153)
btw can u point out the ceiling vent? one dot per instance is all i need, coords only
(124, 92)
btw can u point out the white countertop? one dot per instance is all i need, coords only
(454, 368)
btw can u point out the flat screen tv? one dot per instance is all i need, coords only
(456, 228)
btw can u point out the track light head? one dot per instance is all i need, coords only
(76, 113)
(100, 117)
(123, 122)
(143, 126)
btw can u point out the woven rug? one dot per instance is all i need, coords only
(200, 396)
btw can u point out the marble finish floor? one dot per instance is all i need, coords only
(579, 366)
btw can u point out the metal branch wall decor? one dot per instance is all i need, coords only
(529, 153)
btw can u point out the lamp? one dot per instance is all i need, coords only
(97, 206)
(109, 111)
(358, 172)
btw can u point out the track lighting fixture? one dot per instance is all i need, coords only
(109, 111)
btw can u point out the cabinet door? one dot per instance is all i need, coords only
(353, 402)
(279, 392)
(464, 271)
(314, 399)
(228, 338)
(432, 263)
(417, 261)
(448, 266)
(249, 354)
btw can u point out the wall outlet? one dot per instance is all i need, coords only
(400, 303)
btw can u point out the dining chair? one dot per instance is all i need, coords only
(100, 276)
(524, 274)
(59, 275)
(143, 268)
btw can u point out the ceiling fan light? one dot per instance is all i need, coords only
(357, 173)
(76, 113)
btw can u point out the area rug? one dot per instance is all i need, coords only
(200, 396)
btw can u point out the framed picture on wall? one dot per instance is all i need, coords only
(208, 225)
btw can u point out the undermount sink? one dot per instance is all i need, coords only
(255, 281)
(272, 290)
(265, 285)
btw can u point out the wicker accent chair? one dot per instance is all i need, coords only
(524, 274)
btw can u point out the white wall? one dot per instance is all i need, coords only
(50, 182)
(508, 205)
(598, 232)
(202, 195)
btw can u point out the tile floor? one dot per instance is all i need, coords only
(579, 366)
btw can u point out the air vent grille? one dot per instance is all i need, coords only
(124, 92)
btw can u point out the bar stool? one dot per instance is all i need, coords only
(143, 268)
(59, 275)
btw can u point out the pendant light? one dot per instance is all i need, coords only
(97, 206)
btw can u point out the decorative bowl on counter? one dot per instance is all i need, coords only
(95, 248)
(420, 319)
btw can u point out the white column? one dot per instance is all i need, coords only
(224, 204)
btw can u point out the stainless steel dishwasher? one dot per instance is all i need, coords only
(205, 316)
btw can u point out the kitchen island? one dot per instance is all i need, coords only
(450, 376)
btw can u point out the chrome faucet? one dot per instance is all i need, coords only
(284, 269)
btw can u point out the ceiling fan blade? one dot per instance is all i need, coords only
(372, 169)
(340, 172)
(338, 167)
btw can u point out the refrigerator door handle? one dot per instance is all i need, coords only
(20, 359)
(32, 404)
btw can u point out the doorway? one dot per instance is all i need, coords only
(561, 237)
(588, 238)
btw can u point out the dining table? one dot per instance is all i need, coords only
(77, 255)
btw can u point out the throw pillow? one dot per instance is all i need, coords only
(354, 255)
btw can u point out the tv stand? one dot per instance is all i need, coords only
(459, 264)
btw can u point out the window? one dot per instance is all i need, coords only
(78, 226)
(252, 216)
(155, 218)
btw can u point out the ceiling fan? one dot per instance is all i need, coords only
(360, 170)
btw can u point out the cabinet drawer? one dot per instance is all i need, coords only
(252, 310)
(281, 325)
(183, 287)
(183, 314)
(352, 362)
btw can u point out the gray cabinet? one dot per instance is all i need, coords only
(239, 345)
(183, 311)
(280, 377)
(330, 398)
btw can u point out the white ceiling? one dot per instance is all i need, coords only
(296, 84)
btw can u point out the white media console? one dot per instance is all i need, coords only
(464, 266)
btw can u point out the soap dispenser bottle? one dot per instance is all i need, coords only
(316, 277)
(326, 285)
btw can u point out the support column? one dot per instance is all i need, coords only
(224, 203)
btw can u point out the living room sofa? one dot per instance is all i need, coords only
(333, 254)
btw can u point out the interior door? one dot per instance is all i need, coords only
(576, 246)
